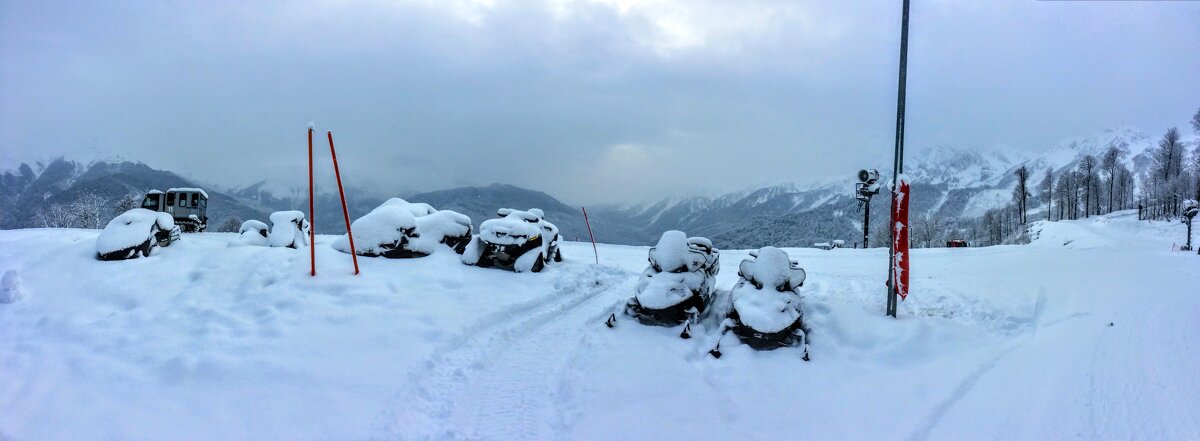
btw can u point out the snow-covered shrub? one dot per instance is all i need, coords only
(288, 229)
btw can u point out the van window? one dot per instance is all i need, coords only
(151, 202)
(170, 199)
(183, 200)
(195, 199)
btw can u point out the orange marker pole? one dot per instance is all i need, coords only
(345, 212)
(312, 235)
(590, 236)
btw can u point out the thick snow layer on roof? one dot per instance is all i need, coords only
(284, 229)
(154, 192)
(189, 189)
(131, 228)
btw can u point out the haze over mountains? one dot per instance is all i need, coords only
(952, 183)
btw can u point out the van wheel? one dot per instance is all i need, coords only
(539, 264)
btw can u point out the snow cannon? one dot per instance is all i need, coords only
(677, 285)
(135, 232)
(518, 240)
(766, 308)
(399, 229)
(288, 229)
(1190, 208)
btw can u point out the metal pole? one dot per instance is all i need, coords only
(312, 227)
(866, 222)
(898, 162)
(345, 212)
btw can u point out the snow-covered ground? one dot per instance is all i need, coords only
(205, 341)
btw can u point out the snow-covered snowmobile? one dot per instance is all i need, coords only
(134, 232)
(520, 240)
(766, 310)
(400, 229)
(678, 284)
(288, 229)
(252, 233)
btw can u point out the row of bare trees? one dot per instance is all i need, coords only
(87, 210)
(1173, 177)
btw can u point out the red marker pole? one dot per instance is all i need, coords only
(345, 213)
(312, 235)
(590, 236)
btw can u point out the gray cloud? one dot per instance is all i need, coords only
(592, 101)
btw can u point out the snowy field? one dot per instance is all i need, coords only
(204, 341)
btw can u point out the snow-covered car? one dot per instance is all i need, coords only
(135, 232)
(400, 229)
(678, 284)
(288, 229)
(252, 233)
(766, 311)
(520, 240)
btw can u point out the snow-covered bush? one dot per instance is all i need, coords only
(288, 229)
(136, 230)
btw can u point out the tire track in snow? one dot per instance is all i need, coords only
(506, 376)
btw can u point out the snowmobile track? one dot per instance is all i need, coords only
(506, 376)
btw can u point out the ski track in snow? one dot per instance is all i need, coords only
(500, 379)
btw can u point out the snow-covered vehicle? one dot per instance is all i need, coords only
(766, 305)
(252, 233)
(520, 240)
(288, 229)
(400, 229)
(187, 206)
(678, 284)
(134, 232)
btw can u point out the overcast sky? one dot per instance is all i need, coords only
(589, 100)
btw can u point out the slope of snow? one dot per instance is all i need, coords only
(204, 341)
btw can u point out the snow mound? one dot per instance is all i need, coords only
(417, 209)
(10, 287)
(252, 233)
(385, 225)
(288, 229)
(130, 229)
(438, 225)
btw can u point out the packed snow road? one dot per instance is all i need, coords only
(1090, 333)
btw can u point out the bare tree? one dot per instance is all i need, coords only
(1109, 162)
(1196, 122)
(55, 216)
(1087, 170)
(89, 208)
(928, 229)
(1046, 191)
(1021, 192)
(128, 202)
(231, 224)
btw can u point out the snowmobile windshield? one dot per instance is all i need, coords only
(773, 268)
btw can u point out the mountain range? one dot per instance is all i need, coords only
(947, 182)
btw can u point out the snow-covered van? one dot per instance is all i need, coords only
(187, 206)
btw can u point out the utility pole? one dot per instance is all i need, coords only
(898, 162)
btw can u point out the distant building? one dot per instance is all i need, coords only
(957, 243)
